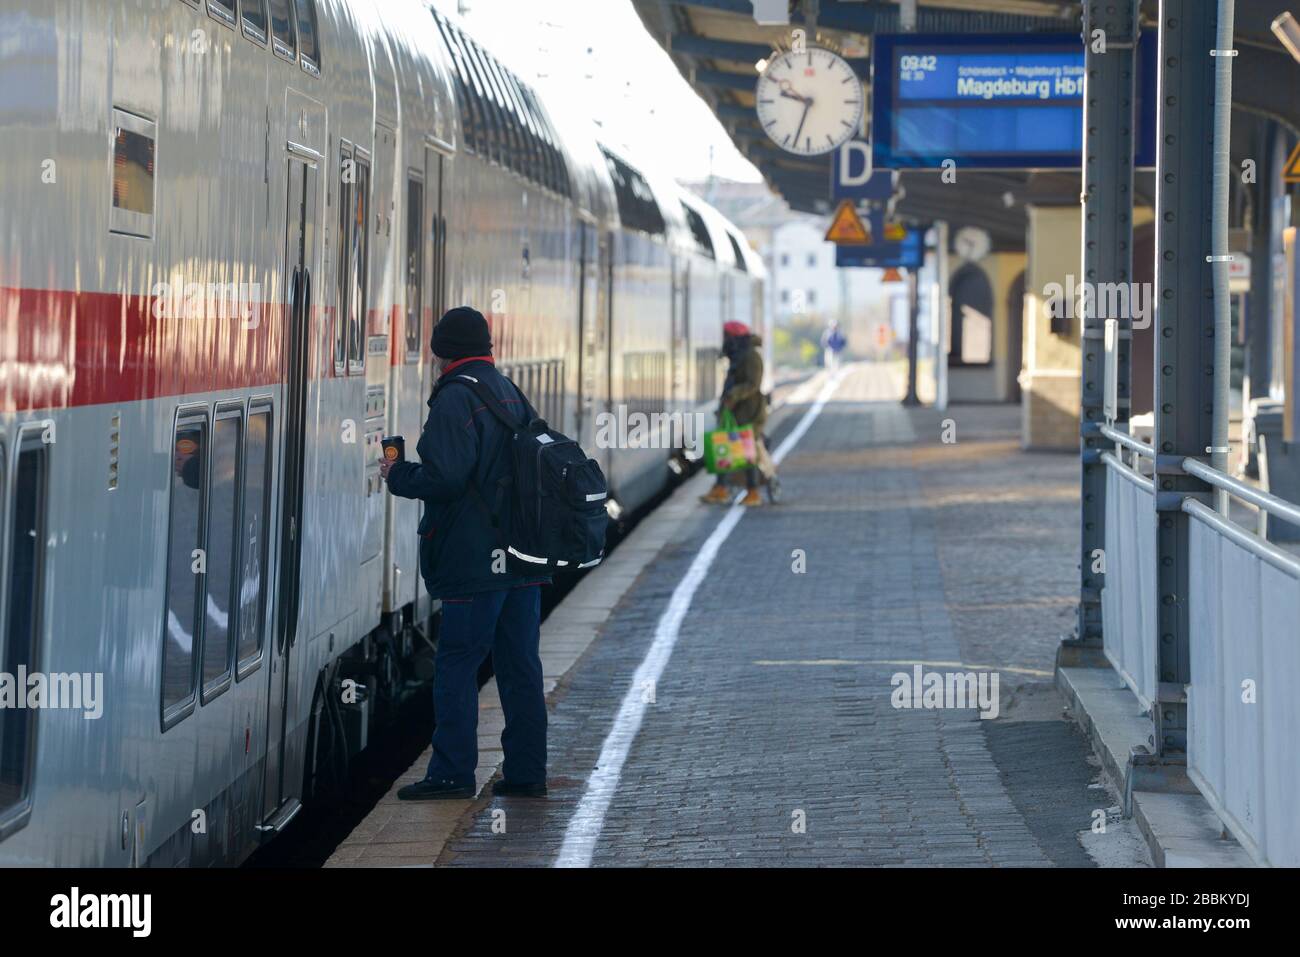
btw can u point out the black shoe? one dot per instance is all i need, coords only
(504, 788)
(430, 790)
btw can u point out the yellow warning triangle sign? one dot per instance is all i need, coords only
(1291, 171)
(847, 227)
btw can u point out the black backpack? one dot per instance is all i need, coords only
(554, 515)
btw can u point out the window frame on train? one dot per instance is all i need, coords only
(699, 231)
(359, 291)
(258, 406)
(343, 277)
(533, 161)
(415, 220)
(514, 125)
(214, 687)
(741, 263)
(258, 34)
(172, 712)
(225, 12)
(634, 210)
(29, 441)
(278, 47)
(133, 222)
(306, 10)
(471, 122)
(495, 139)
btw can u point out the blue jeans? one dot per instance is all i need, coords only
(506, 624)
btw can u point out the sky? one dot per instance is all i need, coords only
(598, 52)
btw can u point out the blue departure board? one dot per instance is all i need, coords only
(990, 102)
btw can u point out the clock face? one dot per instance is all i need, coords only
(810, 102)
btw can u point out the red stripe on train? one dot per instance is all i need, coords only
(60, 349)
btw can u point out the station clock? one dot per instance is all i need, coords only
(810, 101)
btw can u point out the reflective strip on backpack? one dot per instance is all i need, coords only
(595, 496)
(594, 561)
(525, 558)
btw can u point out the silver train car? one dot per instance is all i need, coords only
(226, 228)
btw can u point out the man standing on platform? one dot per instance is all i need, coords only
(486, 609)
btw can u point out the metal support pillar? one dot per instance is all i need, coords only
(913, 335)
(1184, 341)
(1259, 307)
(1110, 38)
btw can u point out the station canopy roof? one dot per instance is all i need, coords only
(716, 45)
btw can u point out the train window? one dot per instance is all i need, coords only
(223, 10)
(308, 36)
(254, 536)
(532, 134)
(637, 207)
(741, 264)
(528, 128)
(559, 173)
(347, 176)
(699, 231)
(253, 14)
(282, 34)
(134, 157)
(182, 629)
(549, 175)
(495, 137)
(221, 604)
(518, 146)
(358, 257)
(414, 266)
(25, 548)
(471, 122)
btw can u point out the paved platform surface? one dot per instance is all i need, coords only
(771, 736)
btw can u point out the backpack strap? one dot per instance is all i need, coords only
(491, 402)
(493, 406)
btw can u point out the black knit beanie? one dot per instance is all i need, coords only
(461, 333)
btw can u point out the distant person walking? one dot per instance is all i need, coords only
(833, 343)
(742, 393)
(485, 608)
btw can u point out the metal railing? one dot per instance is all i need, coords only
(1244, 607)
(1128, 614)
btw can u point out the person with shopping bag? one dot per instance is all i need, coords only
(739, 443)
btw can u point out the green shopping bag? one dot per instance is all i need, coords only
(729, 448)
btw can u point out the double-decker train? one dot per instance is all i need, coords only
(226, 228)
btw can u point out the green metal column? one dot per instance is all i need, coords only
(1110, 34)
(1184, 343)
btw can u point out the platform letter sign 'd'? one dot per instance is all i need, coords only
(852, 175)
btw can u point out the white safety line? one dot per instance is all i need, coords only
(589, 818)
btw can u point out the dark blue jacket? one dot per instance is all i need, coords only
(462, 443)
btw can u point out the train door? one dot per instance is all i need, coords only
(419, 251)
(680, 331)
(300, 240)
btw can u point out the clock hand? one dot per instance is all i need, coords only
(787, 90)
(807, 105)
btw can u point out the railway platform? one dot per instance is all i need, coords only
(734, 686)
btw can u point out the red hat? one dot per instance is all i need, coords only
(734, 328)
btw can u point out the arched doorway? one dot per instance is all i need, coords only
(971, 341)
